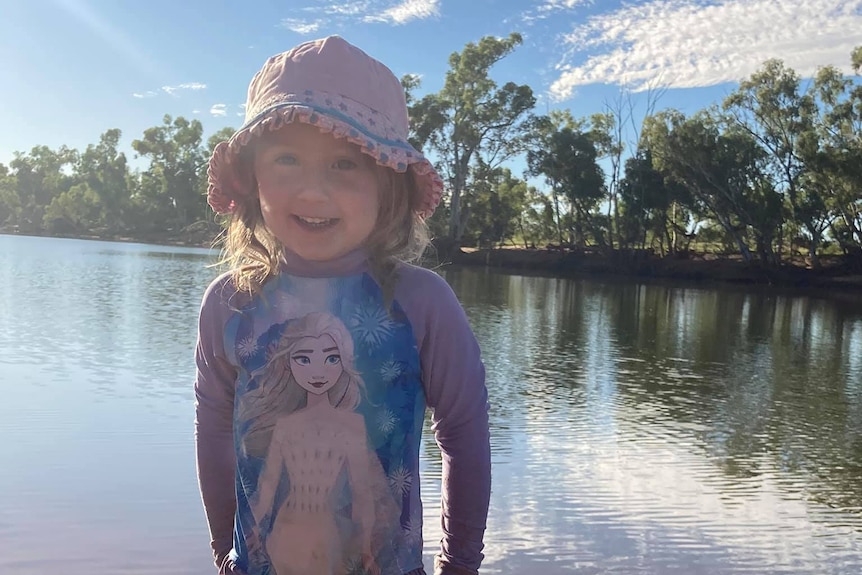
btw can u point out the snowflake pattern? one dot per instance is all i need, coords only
(390, 371)
(354, 566)
(413, 529)
(386, 421)
(247, 347)
(400, 481)
(372, 325)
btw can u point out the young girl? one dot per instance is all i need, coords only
(320, 350)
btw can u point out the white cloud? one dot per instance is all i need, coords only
(148, 94)
(196, 112)
(342, 14)
(407, 11)
(359, 8)
(218, 110)
(557, 5)
(545, 8)
(300, 26)
(693, 43)
(172, 90)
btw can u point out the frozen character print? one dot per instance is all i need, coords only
(317, 442)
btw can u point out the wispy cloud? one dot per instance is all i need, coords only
(219, 110)
(172, 90)
(546, 8)
(334, 14)
(407, 11)
(694, 43)
(301, 26)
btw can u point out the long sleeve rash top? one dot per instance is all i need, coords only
(310, 402)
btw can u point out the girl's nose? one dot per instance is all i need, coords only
(311, 185)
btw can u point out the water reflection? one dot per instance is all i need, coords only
(675, 430)
(636, 429)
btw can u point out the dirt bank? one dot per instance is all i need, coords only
(836, 273)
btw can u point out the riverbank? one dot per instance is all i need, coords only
(837, 274)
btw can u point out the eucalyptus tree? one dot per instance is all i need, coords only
(569, 164)
(471, 116)
(836, 163)
(104, 170)
(645, 201)
(10, 203)
(772, 107)
(499, 200)
(172, 183)
(40, 176)
(724, 171)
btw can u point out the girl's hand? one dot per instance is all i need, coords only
(230, 568)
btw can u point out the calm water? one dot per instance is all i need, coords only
(636, 429)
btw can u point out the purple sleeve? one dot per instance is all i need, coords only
(214, 391)
(454, 380)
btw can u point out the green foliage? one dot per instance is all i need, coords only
(497, 202)
(10, 203)
(73, 211)
(568, 160)
(173, 181)
(470, 119)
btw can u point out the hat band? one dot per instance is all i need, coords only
(332, 113)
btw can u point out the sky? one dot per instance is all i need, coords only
(72, 69)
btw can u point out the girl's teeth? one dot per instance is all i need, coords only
(314, 220)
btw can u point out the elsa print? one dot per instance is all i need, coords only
(318, 441)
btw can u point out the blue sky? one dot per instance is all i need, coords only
(72, 69)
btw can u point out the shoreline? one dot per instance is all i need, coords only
(838, 274)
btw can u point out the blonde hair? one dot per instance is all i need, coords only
(252, 252)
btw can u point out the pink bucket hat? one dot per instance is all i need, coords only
(337, 87)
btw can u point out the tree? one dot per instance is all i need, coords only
(10, 203)
(645, 199)
(771, 107)
(73, 211)
(471, 115)
(104, 170)
(172, 182)
(836, 163)
(40, 176)
(569, 165)
(499, 200)
(725, 174)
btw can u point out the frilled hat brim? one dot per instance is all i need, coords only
(371, 131)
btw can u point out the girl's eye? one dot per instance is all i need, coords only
(302, 359)
(333, 359)
(344, 164)
(285, 160)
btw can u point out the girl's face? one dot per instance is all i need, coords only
(316, 364)
(319, 195)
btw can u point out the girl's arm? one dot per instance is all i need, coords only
(214, 395)
(454, 380)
